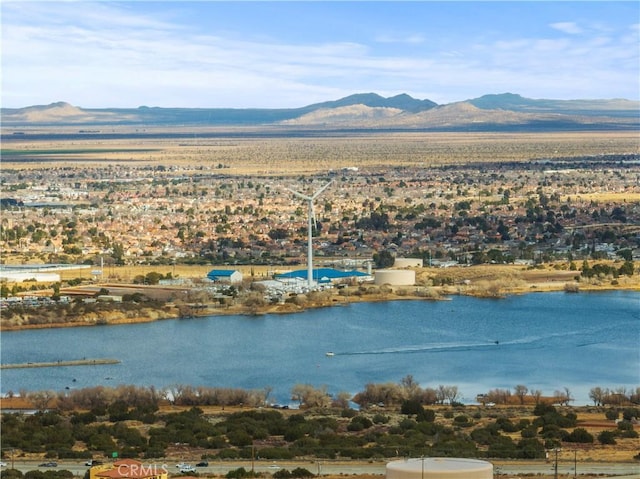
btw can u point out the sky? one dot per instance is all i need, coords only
(281, 54)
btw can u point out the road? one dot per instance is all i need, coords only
(324, 467)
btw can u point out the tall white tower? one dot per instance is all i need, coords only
(311, 220)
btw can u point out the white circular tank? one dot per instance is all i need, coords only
(439, 468)
(407, 263)
(395, 277)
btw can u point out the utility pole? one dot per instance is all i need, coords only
(555, 467)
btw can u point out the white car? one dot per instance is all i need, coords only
(187, 468)
(3, 464)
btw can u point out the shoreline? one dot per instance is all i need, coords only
(335, 300)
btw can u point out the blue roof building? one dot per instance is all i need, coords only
(324, 275)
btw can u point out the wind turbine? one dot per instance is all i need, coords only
(312, 220)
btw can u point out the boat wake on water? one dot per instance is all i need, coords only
(433, 348)
(489, 345)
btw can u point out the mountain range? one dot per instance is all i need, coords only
(358, 111)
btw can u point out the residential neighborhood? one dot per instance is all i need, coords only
(467, 214)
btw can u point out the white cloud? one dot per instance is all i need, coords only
(567, 27)
(411, 39)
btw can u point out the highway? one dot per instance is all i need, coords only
(326, 467)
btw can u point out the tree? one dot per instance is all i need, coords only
(627, 268)
(278, 233)
(41, 399)
(626, 254)
(521, 392)
(447, 393)
(118, 253)
(597, 395)
(342, 400)
(308, 396)
(410, 386)
(384, 259)
(563, 397)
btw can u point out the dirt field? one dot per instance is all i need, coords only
(282, 156)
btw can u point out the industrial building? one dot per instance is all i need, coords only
(407, 263)
(45, 273)
(325, 275)
(395, 277)
(225, 275)
(439, 468)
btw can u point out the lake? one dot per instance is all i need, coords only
(546, 341)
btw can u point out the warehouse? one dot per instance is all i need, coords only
(45, 273)
(225, 275)
(325, 275)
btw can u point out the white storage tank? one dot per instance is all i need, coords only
(439, 468)
(407, 263)
(395, 277)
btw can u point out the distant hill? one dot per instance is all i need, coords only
(362, 110)
(509, 101)
(401, 102)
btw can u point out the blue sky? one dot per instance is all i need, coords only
(291, 54)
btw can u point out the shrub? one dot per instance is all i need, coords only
(606, 437)
(612, 414)
(70, 454)
(229, 454)
(530, 448)
(529, 432)
(239, 473)
(11, 474)
(411, 406)
(580, 435)
(506, 425)
(275, 453)
(625, 426)
(462, 421)
(301, 472)
(502, 446)
(543, 408)
(380, 419)
(426, 416)
(359, 423)
(282, 474)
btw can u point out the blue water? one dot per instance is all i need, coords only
(546, 341)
